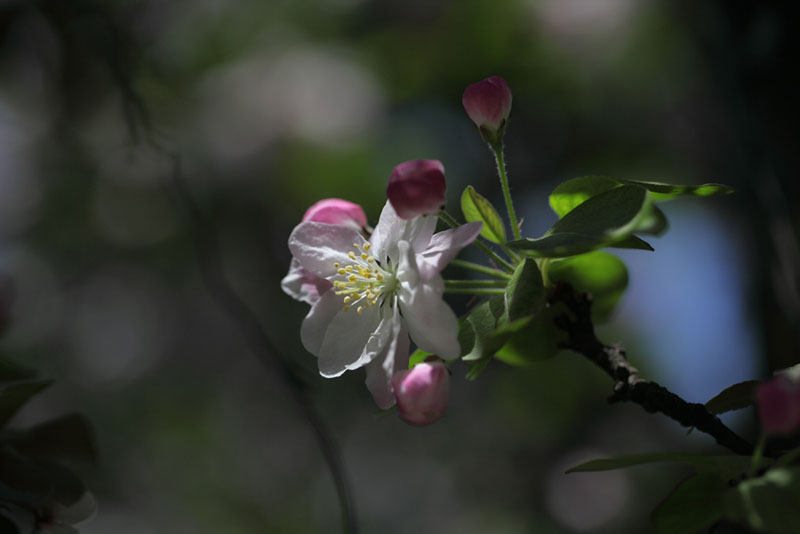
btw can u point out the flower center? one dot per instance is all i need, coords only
(365, 283)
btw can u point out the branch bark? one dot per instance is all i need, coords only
(629, 385)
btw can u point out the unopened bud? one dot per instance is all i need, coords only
(422, 393)
(779, 404)
(417, 188)
(488, 104)
(336, 211)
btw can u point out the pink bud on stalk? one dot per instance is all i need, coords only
(336, 211)
(779, 404)
(417, 188)
(422, 393)
(488, 104)
(303, 285)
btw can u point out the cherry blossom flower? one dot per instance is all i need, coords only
(384, 291)
(302, 285)
(422, 393)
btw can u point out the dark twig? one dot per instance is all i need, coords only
(629, 385)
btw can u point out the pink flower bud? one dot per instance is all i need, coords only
(488, 104)
(779, 405)
(417, 188)
(422, 393)
(336, 211)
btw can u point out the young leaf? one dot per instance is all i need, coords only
(694, 505)
(602, 220)
(634, 243)
(14, 397)
(767, 503)
(476, 334)
(601, 274)
(733, 397)
(653, 221)
(524, 294)
(477, 209)
(724, 466)
(484, 331)
(537, 341)
(570, 194)
(662, 191)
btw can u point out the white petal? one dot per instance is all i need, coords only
(391, 229)
(302, 285)
(345, 340)
(381, 369)
(317, 246)
(319, 318)
(445, 246)
(431, 323)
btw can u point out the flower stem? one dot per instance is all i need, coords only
(475, 291)
(479, 268)
(456, 284)
(756, 459)
(447, 218)
(497, 148)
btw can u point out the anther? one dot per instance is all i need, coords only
(360, 310)
(346, 307)
(367, 246)
(347, 300)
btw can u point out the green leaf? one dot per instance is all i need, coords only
(601, 274)
(733, 397)
(653, 221)
(662, 191)
(724, 466)
(570, 194)
(418, 357)
(524, 295)
(602, 220)
(477, 209)
(694, 505)
(484, 331)
(633, 242)
(10, 371)
(14, 397)
(69, 436)
(477, 332)
(767, 503)
(538, 340)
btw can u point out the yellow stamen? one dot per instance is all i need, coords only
(360, 310)
(367, 246)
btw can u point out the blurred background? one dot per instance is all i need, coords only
(273, 105)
